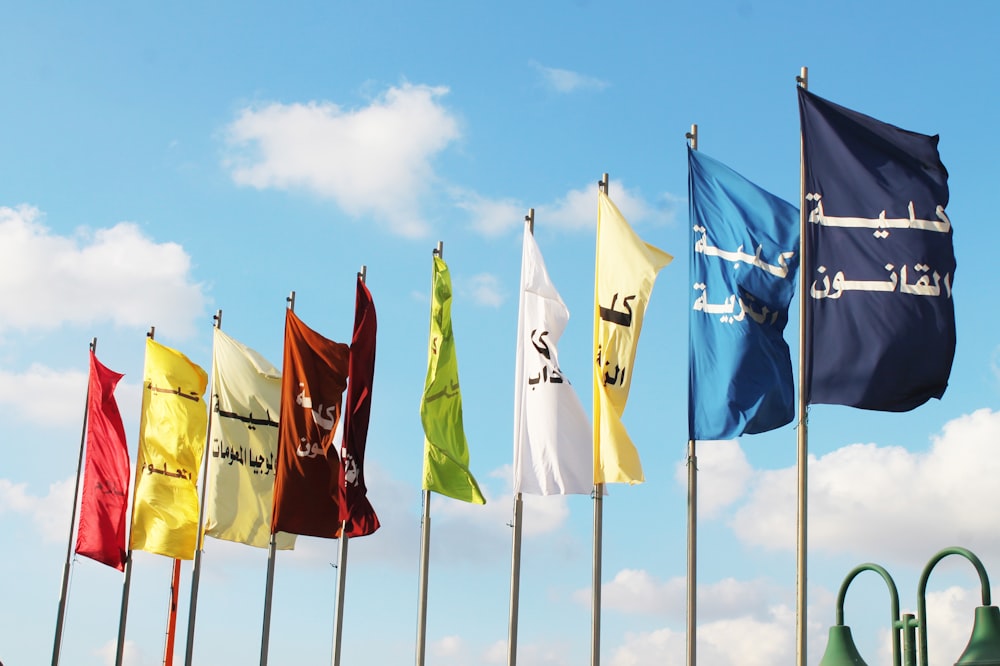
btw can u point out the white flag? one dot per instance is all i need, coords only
(553, 448)
(244, 446)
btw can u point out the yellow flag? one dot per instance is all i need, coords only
(171, 443)
(623, 280)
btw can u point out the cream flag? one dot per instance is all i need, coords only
(243, 447)
(624, 275)
(552, 434)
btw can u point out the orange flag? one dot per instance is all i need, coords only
(313, 380)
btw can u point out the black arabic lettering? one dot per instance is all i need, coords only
(249, 420)
(541, 346)
(616, 317)
(192, 395)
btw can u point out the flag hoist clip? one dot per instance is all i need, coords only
(983, 648)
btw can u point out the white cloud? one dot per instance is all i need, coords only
(949, 624)
(577, 209)
(567, 81)
(449, 646)
(463, 532)
(574, 211)
(636, 591)
(866, 499)
(50, 514)
(553, 653)
(490, 217)
(723, 474)
(485, 290)
(132, 655)
(114, 273)
(64, 395)
(741, 640)
(373, 160)
(475, 532)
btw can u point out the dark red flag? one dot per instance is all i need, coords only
(313, 380)
(101, 535)
(354, 505)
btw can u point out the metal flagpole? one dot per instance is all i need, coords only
(515, 560)
(425, 546)
(127, 585)
(120, 650)
(272, 549)
(196, 573)
(61, 613)
(595, 642)
(269, 586)
(803, 417)
(515, 582)
(338, 625)
(692, 519)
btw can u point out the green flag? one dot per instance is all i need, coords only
(446, 451)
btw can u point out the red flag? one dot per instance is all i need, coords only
(101, 535)
(354, 505)
(313, 380)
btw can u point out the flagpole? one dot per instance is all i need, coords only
(127, 584)
(515, 560)
(175, 581)
(269, 586)
(272, 548)
(595, 642)
(803, 417)
(61, 613)
(692, 518)
(338, 626)
(196, 572)
(425, 546)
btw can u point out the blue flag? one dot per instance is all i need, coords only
(744, 256)
(880, 265)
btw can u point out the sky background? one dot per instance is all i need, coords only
(161, 163)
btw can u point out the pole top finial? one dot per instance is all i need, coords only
(692, 136)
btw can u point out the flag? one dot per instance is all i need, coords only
(552, 434)
(313, 380)
(171, 443)
(879, 262)
(744, 256)
(446, 451)
(101, 532)
(244, 446)
(624, 275)
(355, 508)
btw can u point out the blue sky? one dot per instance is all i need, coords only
(162, 163)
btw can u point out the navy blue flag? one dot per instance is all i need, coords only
(880, 265)
(744, 256)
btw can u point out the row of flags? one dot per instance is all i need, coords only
(286, 454)
(879, 265)
(280, 458)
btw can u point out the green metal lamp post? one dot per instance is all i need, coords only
(984, 645)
